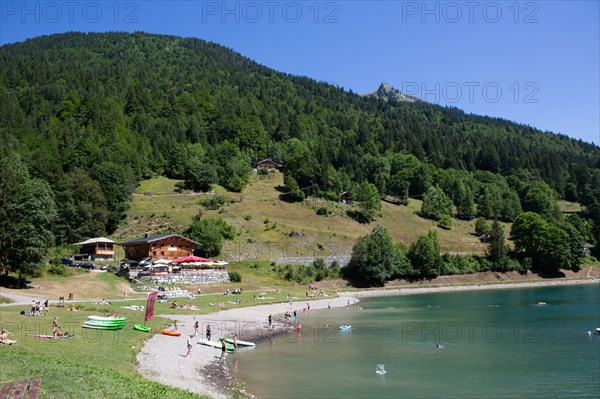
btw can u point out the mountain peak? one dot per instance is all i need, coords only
(388, 92)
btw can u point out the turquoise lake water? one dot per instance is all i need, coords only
(495, 344)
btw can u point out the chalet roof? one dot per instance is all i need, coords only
(95, 241)
(148, 240)
(268, 160)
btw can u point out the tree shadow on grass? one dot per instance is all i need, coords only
(358, 216)
(552, 274)
(13, 282)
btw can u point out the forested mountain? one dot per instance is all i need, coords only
(92, 114)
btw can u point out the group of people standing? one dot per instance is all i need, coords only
(208, 338)
(36, 308)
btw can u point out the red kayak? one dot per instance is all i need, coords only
(172, 333)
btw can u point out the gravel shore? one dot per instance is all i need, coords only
(162, 358)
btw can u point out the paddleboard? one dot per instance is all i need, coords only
(86, 325)
(103, 318)
(215, 344)
(240, 343)
(104, 323)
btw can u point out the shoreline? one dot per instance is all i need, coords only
(161, 359)
(401, 291)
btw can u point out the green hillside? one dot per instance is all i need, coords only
(86, 117)
(315, 235)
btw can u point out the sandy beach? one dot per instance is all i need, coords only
(162, 358)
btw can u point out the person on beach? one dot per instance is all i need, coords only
(308, 306)
(223, 349)
(32, 311)
(270, 321)
(189, 346)
(4, 338)
(175, 325)
(208, 332)
(235, 343)
(196, 327)
(55, 327)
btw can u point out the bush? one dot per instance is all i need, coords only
(211, 233)
(57, 270)
(322, 211)
(335, 269)
(179, 186)
(235, 277)
(482, 227)
(445, 222)
(216, 202)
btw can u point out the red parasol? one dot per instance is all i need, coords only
(192, 259)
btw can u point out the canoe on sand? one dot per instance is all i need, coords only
(171, 333)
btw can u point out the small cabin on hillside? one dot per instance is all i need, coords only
(484, 238)
(268, 164)
(346, 197)
(99, 248)
(170, 246)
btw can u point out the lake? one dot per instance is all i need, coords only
(495, 343)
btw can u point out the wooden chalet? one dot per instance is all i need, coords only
(100, 248)
(268, 164)
(346, 197)
(170, 246)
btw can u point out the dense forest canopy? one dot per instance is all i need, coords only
(92, 114)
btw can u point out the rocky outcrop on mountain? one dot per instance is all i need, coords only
(387, 92)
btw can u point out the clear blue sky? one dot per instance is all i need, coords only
(534, 62)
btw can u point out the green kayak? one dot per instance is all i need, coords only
(140, 327)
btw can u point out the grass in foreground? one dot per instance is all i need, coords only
(65, 378)
(92, 364)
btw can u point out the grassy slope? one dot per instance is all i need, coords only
(83, 284)
(318, 235)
